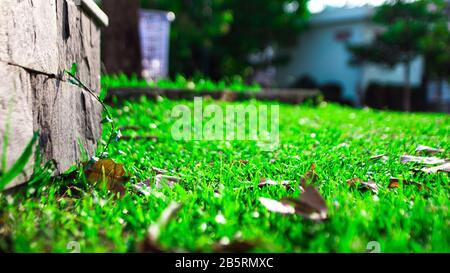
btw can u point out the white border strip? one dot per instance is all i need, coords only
(91, 7)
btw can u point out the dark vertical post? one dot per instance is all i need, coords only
(121, 50)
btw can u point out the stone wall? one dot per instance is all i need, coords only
(38, 40)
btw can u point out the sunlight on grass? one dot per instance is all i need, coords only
(48, 214)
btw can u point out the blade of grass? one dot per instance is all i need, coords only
(6, 140)
(20, 164)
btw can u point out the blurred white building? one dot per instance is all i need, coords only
(321, 53)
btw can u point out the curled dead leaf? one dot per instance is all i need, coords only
(422, 160)
(107, 171)
(441, 168)
(428, 150)
(310, 204)
(356, 182)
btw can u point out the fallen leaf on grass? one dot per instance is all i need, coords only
(106, 170)
(310, 205)
(441, 168)
(423, 160)
(370, 185)
(428, 150)
(394, 183)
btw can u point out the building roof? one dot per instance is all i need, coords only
(333, 15)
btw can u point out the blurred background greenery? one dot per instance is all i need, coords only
(215, 37)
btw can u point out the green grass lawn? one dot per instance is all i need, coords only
(219, 206)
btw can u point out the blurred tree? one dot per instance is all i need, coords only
(436, 48)
(121, 50)
(216, 37)
(405, 25)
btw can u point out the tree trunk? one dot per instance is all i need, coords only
(407, 88)
(121, 43)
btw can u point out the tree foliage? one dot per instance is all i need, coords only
(215, 37)
(403, 25)
(436, 47)
(408, 29)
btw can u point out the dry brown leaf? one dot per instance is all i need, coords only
(428, 150)
(310, 204)
(441, 168)
(422, 160)
(106, 170)
(370, 185)
(394, 183)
